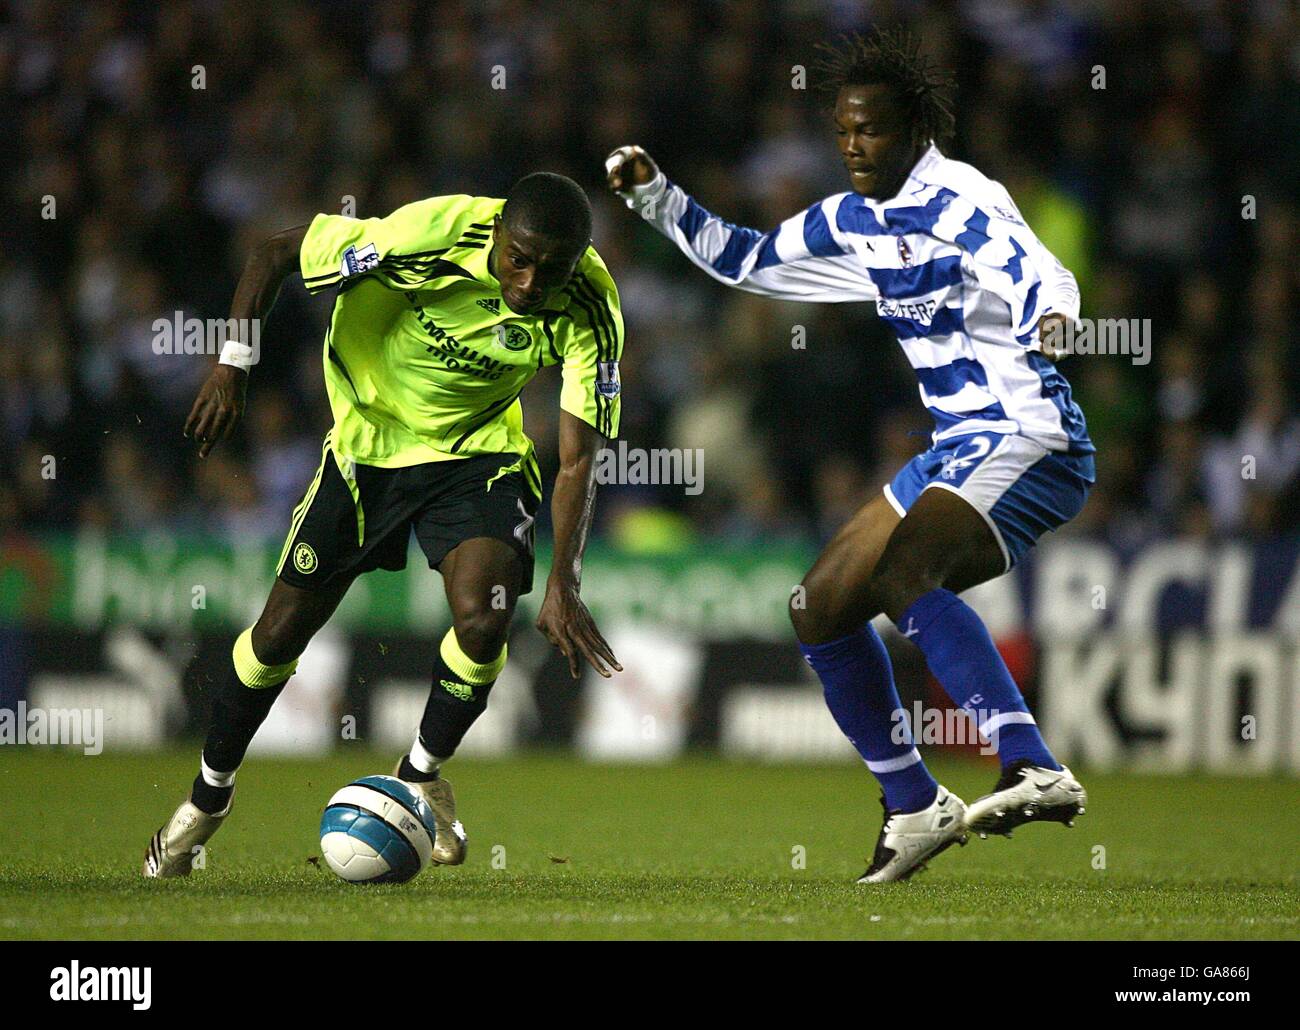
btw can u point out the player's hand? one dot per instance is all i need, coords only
(218, 407)
(627, 167)
(566, 623)
(1052, 330)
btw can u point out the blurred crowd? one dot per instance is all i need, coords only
(1155, 147)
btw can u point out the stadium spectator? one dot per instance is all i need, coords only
(150, 145)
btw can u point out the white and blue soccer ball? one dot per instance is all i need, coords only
(377, 830)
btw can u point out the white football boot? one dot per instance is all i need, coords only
(450, 841)
(172, 850)
(908, 840)
(1027, 793)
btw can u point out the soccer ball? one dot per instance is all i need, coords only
(377, 830)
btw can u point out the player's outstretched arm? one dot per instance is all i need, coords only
(806, 258)
(564, 619)
(220, 402)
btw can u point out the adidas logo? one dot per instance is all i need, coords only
(463, 691)
(490, 305)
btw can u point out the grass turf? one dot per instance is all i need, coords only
(698, 849)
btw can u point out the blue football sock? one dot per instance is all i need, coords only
(961, 654)
(859, 684)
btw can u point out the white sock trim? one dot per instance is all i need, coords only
(992, 725)
(895, 764)
(216, 779)
(423, 759)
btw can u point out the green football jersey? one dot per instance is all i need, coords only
(424, 361)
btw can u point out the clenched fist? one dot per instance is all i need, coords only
(627, 167)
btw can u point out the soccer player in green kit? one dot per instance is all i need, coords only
(444, 311)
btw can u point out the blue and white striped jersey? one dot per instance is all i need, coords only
(949, 264)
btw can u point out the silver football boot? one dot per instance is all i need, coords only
(172, 850)
(449, 841)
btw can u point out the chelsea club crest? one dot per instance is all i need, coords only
(513, 337)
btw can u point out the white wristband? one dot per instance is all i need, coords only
(637, 196)
(238, 354)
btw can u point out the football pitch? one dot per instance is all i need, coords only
(702, 848)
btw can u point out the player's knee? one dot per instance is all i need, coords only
(481, 630)
(278, 638)
(805, 624)
(815, 608)
(896, 583)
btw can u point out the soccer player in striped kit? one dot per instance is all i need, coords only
(974, 298)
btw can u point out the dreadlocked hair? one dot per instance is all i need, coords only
(893, 58)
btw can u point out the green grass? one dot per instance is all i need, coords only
(702, 848)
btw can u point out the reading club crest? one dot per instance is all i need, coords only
(513, 337)
(904, 253)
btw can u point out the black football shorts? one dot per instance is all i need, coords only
(347, 527)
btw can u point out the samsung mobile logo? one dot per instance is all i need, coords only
(108, 983)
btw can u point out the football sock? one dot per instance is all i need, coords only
(420, 766)
(458, 697)
(858, 681)
(211, 790)
(964, 660)
(240, 705)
